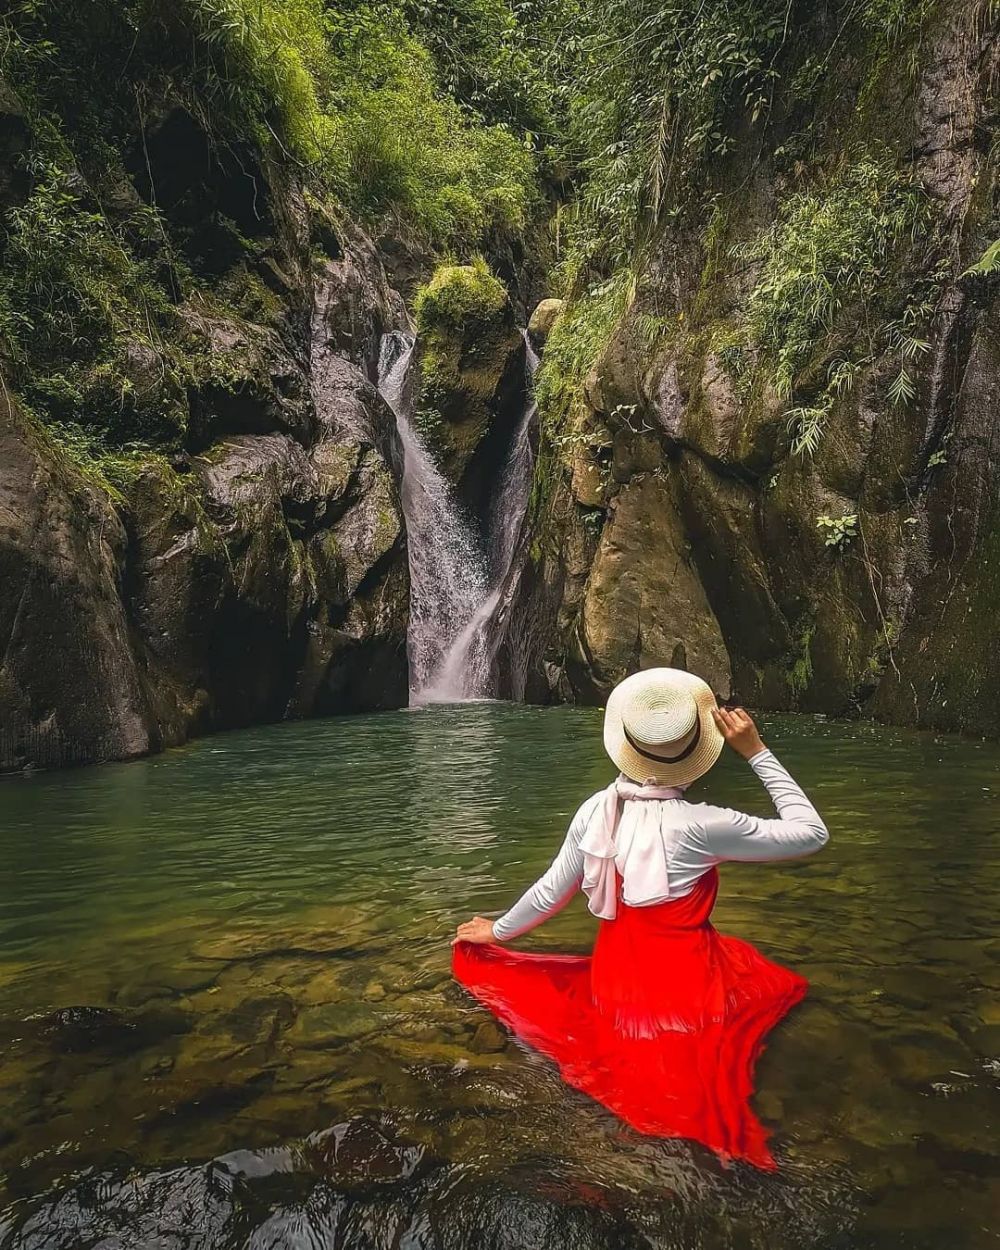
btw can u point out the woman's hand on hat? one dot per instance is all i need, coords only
(738, 729)
(478, 930)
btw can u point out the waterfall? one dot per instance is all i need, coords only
(458, 598)
(448, 576)
(472, 654)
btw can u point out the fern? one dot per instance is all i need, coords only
(988, 263)
(806, 424)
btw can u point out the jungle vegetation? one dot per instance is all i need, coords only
(582, 128)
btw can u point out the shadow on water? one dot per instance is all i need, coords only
(227, 1020)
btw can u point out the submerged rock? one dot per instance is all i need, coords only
(82, 1030)
(360, 1154)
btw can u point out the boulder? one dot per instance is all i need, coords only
(354, 305)
(542, 319)
(246, 380)
(644, 603)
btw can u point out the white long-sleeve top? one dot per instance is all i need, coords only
(694, 836)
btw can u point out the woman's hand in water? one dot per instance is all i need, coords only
(738, 729)
(478, 930)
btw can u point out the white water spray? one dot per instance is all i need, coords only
(448, 576)
(469, 662)
(457, 598)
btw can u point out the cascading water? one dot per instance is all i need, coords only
(458, 601)
(448, 576)
(470, 659)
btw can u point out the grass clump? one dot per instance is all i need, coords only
(460, 299)
(576, 341)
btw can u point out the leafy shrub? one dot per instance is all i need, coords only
(266, 57)
(576, 342)
(411, 153)
(838, 531)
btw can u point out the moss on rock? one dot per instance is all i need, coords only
(468, 338)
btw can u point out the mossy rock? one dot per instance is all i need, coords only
(468, 340)
(543, 318)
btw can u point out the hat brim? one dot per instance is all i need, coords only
(640, 767)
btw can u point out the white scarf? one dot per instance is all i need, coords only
(624, 839)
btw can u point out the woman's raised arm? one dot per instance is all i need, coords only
(731, 835)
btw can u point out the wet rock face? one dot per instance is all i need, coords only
(641, 612)
(724, 567)
(70, 687)
(355, 304)
(263, 575)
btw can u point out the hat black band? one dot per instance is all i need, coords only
(665, 759)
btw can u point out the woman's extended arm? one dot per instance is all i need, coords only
(550, 893)
(799, 829)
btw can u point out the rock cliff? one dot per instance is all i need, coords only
(254, 569)
(827, 540)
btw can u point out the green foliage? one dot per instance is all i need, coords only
(940, 456)
(69, 281)
(266, 58)
(576, 341)
(91, 274)
(411, 152)
(345, 91)
(110, 469)
(460, 299)
(655, 86)
(801, 671)
(988, 263)
(76, 302)
(358, 98)
(828, 248)
(500, 59)
(831, 260)
(838, 531)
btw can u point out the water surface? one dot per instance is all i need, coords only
(227, 1021)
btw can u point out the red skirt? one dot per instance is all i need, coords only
(662, 1024)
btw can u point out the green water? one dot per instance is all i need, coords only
(264, 919)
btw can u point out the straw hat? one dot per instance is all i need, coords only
(658, 727)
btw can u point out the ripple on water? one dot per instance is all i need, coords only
(273, 1053)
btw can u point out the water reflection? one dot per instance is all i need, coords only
(211, 959)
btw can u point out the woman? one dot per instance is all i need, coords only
(663, 1023)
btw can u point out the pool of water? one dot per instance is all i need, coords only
(226, 1016)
